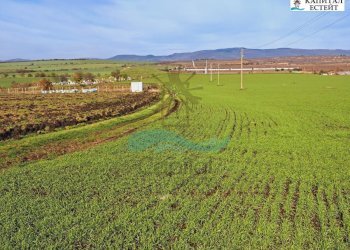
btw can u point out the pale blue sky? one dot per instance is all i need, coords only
(36, 29)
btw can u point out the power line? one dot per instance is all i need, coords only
(211, 72)
(218, 74)
(300, 27)
(319, 30)
(242, 55)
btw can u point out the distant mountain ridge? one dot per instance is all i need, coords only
(217, 54)
(17, 60)
(232, 53)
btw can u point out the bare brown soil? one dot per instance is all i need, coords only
(25, 114)
(312, 64)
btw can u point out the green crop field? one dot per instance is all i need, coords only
(17, 72)
(282, 181)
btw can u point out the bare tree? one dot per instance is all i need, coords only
(77, 77)
(45, 84)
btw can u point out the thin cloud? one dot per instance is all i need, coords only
(86, 28)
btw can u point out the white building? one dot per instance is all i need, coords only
(89, 90)
(136, 87)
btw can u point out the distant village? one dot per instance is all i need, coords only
(77, 83)
(135, 86)
(110, 79)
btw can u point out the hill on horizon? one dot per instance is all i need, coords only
(232, 53)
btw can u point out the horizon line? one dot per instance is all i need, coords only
(163, 55)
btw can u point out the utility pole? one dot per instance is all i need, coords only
(206, 66)
(242, 55)
(211, 72)
(218, 74)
